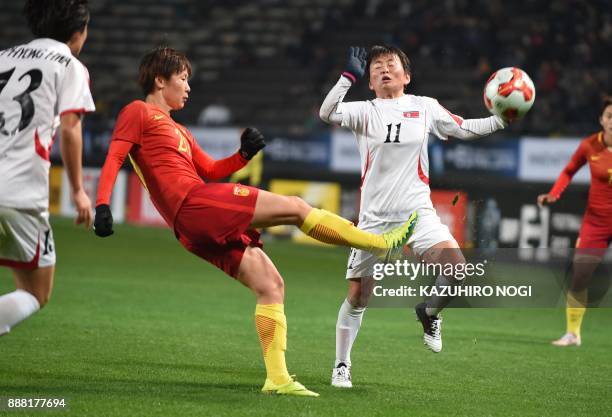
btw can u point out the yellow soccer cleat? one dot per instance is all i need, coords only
(397, 238)
(290, 388)
(568, 339)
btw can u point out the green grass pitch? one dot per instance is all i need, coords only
(139, 327)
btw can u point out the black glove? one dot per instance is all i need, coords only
(103, 223)
(251, 142)
(355, 63)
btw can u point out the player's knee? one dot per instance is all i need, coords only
(299, 207)
(43, 301)
(359, 301)
(273, 287)
(41, 296)
(278, 286)
(358, 296)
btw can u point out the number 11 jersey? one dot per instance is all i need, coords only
(39, 82)
(392, 135)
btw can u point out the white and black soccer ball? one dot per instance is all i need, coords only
(509, 93)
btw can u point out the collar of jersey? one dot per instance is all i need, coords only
(52, 43)
(391, 100)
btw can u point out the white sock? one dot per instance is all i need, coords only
(15, 307)
(349, 322)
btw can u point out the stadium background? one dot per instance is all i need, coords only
(269, 64)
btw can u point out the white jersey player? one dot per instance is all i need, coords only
(392, 133)
(43, 86)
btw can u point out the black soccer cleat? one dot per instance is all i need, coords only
(432, 328)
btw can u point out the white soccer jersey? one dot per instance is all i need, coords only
(392, 136)
(39, 81)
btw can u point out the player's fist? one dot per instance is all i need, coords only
(355, 63)
(545, 199)
(251, 142)
(103, 223)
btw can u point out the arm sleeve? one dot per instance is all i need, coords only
(128, 132)
(74, 95)
(334, 111)
(446, 124)
(114, 159)
(211, 169)
(576, 162)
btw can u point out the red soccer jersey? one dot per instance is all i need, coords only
(594, 151)
(165, 156)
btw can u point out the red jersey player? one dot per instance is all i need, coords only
(216, 221)
(596, 231)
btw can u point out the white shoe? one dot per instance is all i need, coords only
(568, 339)
(341, 376)
(432, 328)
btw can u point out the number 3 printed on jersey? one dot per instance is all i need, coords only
(24, 99)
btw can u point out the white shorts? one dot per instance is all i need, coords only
(428, 232)
(26, 239)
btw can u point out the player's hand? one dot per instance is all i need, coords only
(502, 121)
(545, 199)
(103, 224)
(356, 63)
(83, 208)
(251, 142)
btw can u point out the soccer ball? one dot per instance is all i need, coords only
(509, 93)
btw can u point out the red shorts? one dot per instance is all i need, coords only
(213, 223)
(595, 235)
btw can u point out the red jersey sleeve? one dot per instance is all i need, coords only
(128, 132)
(211, 169)
(576, 162)
(114, 159)
(129, 126)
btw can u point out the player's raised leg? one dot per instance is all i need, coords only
(273, 209)
(428, 313)
(259, 274)
(33, 289)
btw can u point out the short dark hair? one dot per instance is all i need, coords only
(378, 50)
(605, 102)
(56, 19)
(163, 62)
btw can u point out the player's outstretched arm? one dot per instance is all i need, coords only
(71, 146)
(579, 158)
(477, 128)
(546, 199)
(118, 150)
(448, 124)
(251, 142)
(354, 70)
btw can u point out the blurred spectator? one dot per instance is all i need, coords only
(215, 114)
(564, 45)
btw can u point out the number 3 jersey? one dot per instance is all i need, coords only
(39, 81)
(392, 136)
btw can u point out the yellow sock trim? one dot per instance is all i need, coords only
(330, 228)
(574, 312)
(271, 325)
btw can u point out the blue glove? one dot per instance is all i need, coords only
(355, 63)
